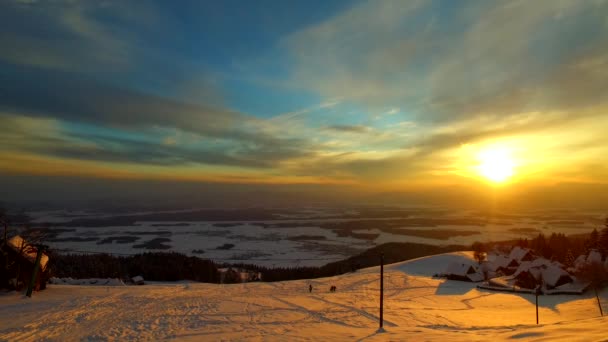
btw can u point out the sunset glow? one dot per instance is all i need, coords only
(375, 96)
(496, 164)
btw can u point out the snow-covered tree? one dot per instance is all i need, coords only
(479, 251)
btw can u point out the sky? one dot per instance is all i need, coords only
(319, 97)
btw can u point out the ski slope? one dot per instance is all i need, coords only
(417, 307)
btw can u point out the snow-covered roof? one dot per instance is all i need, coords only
(460, 269)
(29, 252)
(498, 262)
(538, 263)
(137, 279)
(580, 261)
(552, 274)
(518, 253)
(594, 257)
(475, 277)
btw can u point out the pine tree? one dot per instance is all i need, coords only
(593, 241)
(603, 239)
(570, 259)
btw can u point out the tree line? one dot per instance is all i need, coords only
(172, 266)
(159, 266)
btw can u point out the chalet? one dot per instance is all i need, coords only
(555, 276)
(501, 265)
(21, 257)
(463, 272)
(532, 273)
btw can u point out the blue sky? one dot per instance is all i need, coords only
(391, 94)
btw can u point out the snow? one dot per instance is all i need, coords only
(460, 269)
(268, 246)
(594, 257)
(417, 307)
(518, 253)
(496, 261)
(580, 261)
(552, 274)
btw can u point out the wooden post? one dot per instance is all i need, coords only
(537, 292)
(40, 250)
(381, 289)
(598, 300)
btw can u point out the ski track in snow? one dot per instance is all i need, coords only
(416, 307)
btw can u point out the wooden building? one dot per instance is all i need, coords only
(19, 264)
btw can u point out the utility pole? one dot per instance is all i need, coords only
(40, 249)
(381, 289)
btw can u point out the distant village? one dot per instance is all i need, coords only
(521, 270)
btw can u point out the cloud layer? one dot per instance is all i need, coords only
(383, 93)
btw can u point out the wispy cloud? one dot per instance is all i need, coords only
(391, 90)
(349, 128)
(488, 58)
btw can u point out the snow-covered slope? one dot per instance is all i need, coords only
(417, 307)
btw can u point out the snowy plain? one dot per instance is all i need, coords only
(297, 238)
(417, 307)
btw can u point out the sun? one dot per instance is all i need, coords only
(496, 164)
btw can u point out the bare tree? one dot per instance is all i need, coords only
(4, 223)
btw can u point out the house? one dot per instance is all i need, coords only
(502, 265)
(526, 279)
(21, 257)
(508, 265)
(554, 276)
(463, 272)
(532, 273)
(138, 280)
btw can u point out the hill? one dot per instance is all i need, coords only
(416, 306)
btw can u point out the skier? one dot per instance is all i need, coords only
(310, 288)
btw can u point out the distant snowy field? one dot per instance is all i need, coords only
(301, 239)
(417, 307)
